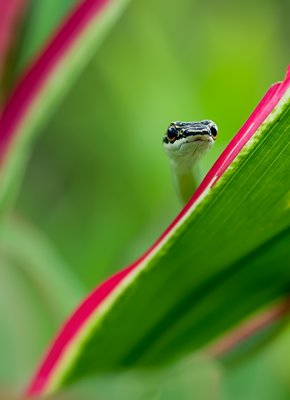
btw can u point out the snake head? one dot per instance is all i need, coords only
(187, 142)
(205, 130)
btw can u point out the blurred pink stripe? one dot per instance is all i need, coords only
(35, 77)
(10, 12)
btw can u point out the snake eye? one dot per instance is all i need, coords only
(214, 131)
(172, 133)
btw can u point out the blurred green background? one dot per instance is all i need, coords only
(98, 185)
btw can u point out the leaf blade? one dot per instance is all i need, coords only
(119, 294)
(46, 81)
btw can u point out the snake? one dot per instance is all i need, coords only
(185, 143)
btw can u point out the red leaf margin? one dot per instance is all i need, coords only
(89, 306)
(37, 74)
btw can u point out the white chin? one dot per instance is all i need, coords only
(188, 150)
(201, 145)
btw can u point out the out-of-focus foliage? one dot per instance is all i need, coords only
(196, 374)
(37, 291)
(98, 183)
(42, 17)
(39, 19)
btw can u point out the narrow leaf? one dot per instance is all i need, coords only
(209, 270)
(30, 310)
(47, 80)
(43, 18)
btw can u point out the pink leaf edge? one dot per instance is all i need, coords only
(93, 301)
(41, 69)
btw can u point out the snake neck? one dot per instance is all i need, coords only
(185, 178)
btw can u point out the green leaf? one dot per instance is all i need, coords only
(46, 82)
(42, 18)
(37, 291)
(210, 270)
(197, 374)
(36, 26)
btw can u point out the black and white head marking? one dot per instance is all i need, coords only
(188, 141)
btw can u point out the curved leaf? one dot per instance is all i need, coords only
(210, 269)
(43, 18)
(47, 80)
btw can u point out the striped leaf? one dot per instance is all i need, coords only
(224, 258)
(46, 82)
